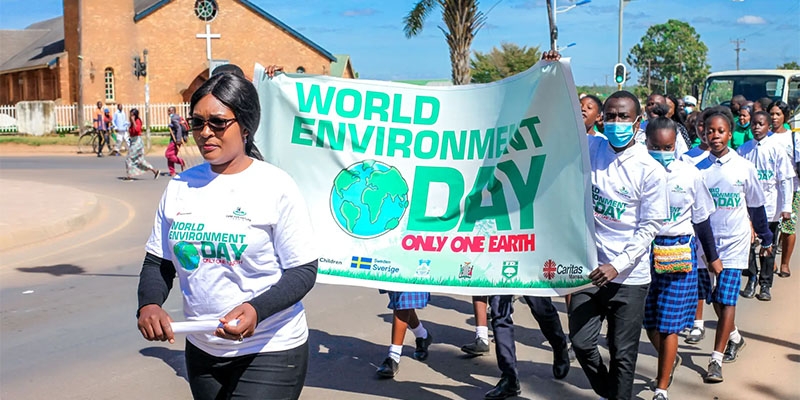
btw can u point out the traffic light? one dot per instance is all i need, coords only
(142, 69)
(136, 67)
(619, 74)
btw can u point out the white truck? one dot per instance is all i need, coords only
(753, 84)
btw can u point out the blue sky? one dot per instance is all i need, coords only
(371, 31)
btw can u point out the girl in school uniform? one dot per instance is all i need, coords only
(739, 200)
(404, 316)
(779, 113)
(776, 175)
(670, 304)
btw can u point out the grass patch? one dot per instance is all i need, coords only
(454, 281)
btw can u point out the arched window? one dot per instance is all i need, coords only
(109, 84)
(301, 70)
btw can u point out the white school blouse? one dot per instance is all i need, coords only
(775, 174)
(690, 202)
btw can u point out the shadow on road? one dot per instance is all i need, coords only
(173, 358)
(67, 269)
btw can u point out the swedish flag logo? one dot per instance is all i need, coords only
(361, 262)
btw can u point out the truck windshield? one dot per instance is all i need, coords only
(720, 89)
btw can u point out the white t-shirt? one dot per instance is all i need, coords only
(773, 167)
(690, 202)
(230, 237)
(695, 155)
(733, 183)
(784, 141)
(630, 201)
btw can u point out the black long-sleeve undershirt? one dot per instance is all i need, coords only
(157, 275)
(758, 216)
(706, 238)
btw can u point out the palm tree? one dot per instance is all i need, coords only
(462, 19)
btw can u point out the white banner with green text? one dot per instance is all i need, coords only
(472, 190)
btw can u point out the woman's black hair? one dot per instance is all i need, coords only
(783, 106)
(765, 102)
(691, 124)
(747, 107)
(241, 97)
(596, 100)
(677, 116)
(624, 94)
(660, 122)
(718, 111)
(135, 112)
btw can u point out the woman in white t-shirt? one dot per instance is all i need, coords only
(237, 233)
(779, 113)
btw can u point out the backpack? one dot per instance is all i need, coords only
(185, 126)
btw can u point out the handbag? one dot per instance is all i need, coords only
(672, 258)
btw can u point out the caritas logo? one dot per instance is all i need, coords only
(549, 270)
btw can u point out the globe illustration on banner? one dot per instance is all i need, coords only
(368, 199)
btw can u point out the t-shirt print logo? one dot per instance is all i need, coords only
(187, 255)
(238, 212)
(678, 189)
(624, 192)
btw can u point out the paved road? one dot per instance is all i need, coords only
(67, 326)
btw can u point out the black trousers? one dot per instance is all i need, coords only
(623, 307)
(278, 375)
(767, 263)
(503, 326)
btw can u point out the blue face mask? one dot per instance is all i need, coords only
(688, 109)
(619, 134)
(743, 126)
(664, 157)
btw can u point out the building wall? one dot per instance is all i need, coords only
(71, 47)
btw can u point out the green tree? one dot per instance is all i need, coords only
(789, 65)
(501, 63)
(671, 51)
(462, 21)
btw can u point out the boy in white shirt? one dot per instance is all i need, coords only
(775, 173)
(733, 182)
(629, 193)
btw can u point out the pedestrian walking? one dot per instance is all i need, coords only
(135, 163)
(779, 113)
(100, 125)
(671, 300)
(502, 308)
(776, 175)
(256, 273)
(741, 131)
(739, 200)
(677, 114)
(121, 125)
(404, 317)
(175, 142)
(480, 345)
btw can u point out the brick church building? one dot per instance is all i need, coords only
(183, 39)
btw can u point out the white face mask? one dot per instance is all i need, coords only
(688, 109)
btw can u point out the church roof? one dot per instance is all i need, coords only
(143, 8)
(339, 66)
(35, 46)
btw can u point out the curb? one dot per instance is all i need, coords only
(32, 230)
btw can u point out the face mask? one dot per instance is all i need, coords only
(663, 157)
(619, 134)
(688, 109)
(743, 126)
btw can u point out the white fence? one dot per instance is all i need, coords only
(67, 116)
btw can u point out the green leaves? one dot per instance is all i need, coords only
(671, 51)
(506, 61)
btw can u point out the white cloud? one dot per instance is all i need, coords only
(363, 12)
(751, 20)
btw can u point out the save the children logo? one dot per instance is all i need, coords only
(368, 199)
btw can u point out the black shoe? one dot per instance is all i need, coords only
(421, 352)
(388, 369)
(714, 374)
(732, 351)
(695, 335)
(572, 356)
(749, 289)
(504, 389)
(660, 396)
(476, 348)
(99, 155)
(560, 363)
(764, 295)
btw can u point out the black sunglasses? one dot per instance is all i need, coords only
(217, 125)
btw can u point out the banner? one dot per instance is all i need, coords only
(472, 190)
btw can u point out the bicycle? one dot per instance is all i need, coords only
(89, 139)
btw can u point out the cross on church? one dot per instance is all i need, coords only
(208, 36)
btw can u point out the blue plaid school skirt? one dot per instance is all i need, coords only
(726, 292)
(407, 300)
(672, 299)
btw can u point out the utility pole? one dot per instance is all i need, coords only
(79, 107)
(551, 17)
(738, 48)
